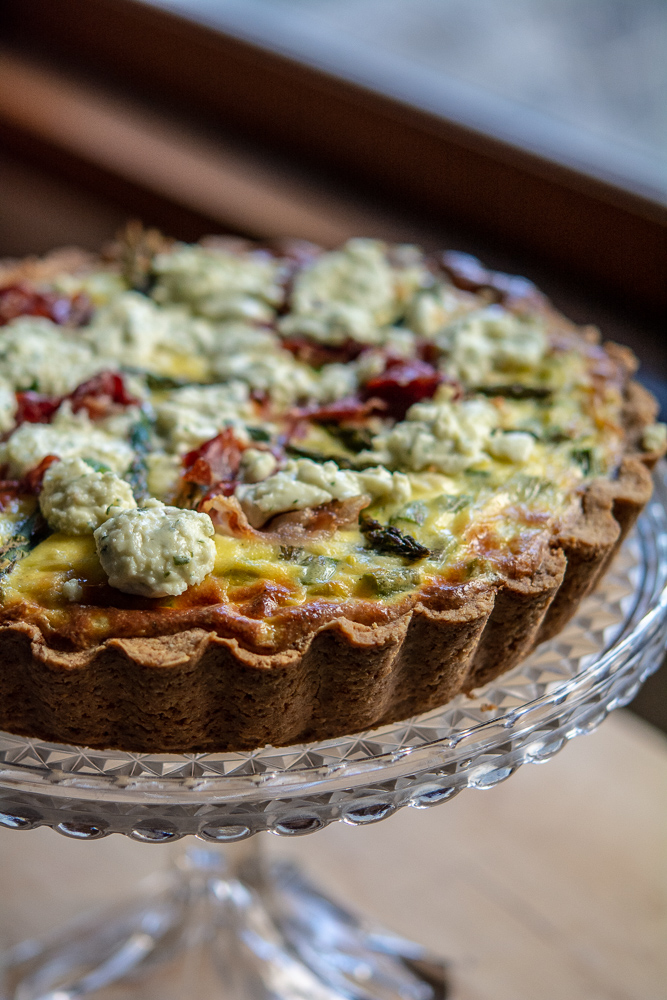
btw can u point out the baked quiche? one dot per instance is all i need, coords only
(270, 494)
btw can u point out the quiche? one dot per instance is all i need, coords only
(272, 494)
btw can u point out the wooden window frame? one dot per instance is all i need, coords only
(585, 227)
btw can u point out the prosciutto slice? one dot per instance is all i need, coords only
(294, 527)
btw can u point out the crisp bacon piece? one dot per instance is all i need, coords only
(316, 355)
(35, 407)
(33, 479)
(403, 383)
(216, 462)
(101, 395)
(21, 300)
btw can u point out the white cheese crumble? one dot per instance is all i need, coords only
(654, 437)
(304, 483)
(37, 354)
(277, 374)
(196, 413)
(441, 435)
(30, 443)
(75, 499)
(7, 406)
(257, 465)
(512, 446)
(489, 341)
(351, 292)
(432, 309)
(72, 591)
(219, 284)
(132, 330)
(156, 551)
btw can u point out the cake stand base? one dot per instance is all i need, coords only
(223, 925)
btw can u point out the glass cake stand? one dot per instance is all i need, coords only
(223, 924)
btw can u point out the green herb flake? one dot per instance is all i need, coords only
(415, 512)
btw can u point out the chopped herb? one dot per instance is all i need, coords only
(258, 434)
(140, 439)
(525, 487)
(97, 466)
(450, 503)
(588, 461)
(514, 391)
(158, 382)
(383, 583)
(316, 456)
(320, 569)
(415, 512)
(291, 553)
(27, 533)
(355, 439)
(478, 473)
(389, 540)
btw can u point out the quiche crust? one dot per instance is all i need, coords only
(209, 685)
(195, 691)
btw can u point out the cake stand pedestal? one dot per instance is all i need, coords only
(221, 923)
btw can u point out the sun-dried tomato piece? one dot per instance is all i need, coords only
(33, 479)
(21, 300)
(101, 395)
(35, 407)
(350, 409)
(469, 274)
(216, 462)
(403, 383)
(316, 355)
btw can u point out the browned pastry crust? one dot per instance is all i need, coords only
(197, 691)
(200, 690)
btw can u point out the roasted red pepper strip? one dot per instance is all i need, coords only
(21, 300)
(403, 383)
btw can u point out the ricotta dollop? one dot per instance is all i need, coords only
(155, 550)
(76, 499)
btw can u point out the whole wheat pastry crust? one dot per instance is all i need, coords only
(197, 692)
(206, 688)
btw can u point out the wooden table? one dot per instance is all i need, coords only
(550, 886)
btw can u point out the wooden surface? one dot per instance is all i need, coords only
(550, 886)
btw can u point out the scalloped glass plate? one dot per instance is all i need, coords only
(565, 688)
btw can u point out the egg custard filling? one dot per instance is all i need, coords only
(247, 440)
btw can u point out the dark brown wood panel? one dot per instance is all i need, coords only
(583, 226)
